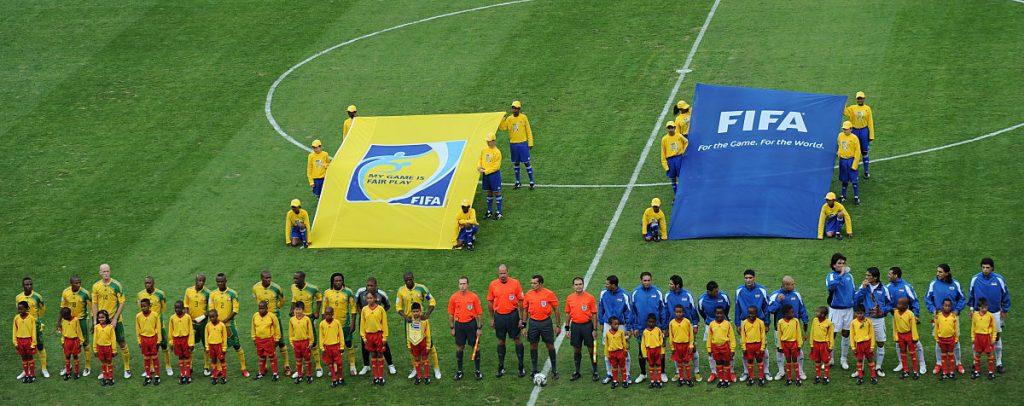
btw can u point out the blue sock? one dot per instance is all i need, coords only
(529, 171)
(856, 189)
(675, 186)
(303, 233)
(517, 172)
(866, 160)
(844, 189)
(490, 202)
(499, 203)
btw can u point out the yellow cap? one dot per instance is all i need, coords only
(296, 203)
(316, 143)
(847, 125)
(670, 124)
(682, 105)
(465, 202)
(656, 202)
(352, 108)
(489, 137)
(516, 103)
(830, 196)
(860, 95)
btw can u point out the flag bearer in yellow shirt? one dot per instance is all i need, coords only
(347, 126)
(863, 126)
(683, 112)
(520, 141)
(467, 226)
(673, 146)
(490, 167)
(833, 217)
(849, 159)
(654, 227)
(296, 226)
(316, 167)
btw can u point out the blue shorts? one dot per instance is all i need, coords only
(674, 164)
(466, 234)
(520, 151)
(297, 232)
(833, 225)
(846, 172)
(492, 182)
(653, 230)
(864, 136)
(318, 185)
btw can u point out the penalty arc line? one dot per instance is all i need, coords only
(632, 182)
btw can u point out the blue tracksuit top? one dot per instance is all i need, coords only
(615, 304)
(793, 298)
(881, 299)
(938, 291)
(706, 306)
(685, 298)
(901, 289)
(992, 288)
(746, 297)
(645, 302)
(840, 289)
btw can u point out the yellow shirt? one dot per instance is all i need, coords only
(721, 333)
(372, 320)
(104, 336)
(680, 331)
(672, 145)
(344, 303)
(292, 219)
(983, 324)
(406, 297)
(225, 303)
(649, 215)
(78, 302)
(861, 331)
(300, 329)
(108, 297)
(71, 328)
(24, 328)
(518, 129)
(332, 333)
(308, 295)
(216, 334)
(791, 330)
(157, 301)
(490, 160)
(266, 326)
(849, 147)
(860, 117)
(753, 332)
(823, 331)
(947, 326)
(826, 212)
(683, 122)
(651, 338)
(466, 218)
(196, 302)
(182, 327)
(147, 325)
(905, 322)
(615, 340)
(345, 127)
(36, 308)
(273, 295)
(316, 165)
(416, 332)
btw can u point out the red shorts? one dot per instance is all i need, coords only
(790, 349)
(947, 344)
(983, 343)
(216, 352)
(863, 350)
(654, 356)
(180, 345)
(820, 352)
(419, 350)
(332, 354)
(905, 341)
(374, 342)
(681, 352)
(148, 345)
(25, 346)
(752, 351)
(617, 358)
(105, 353)
(72, 346)
(721, 353)
(265, 347)
(301, 349)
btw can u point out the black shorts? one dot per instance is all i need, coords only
(465, 333)
(506, 325)
(541, 330)
(581, 333)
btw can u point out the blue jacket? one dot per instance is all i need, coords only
(645, 302)
(939, 291)
(746, 297)
(840, 290)
(992, 288)
(881, 299)
(901, 289)
(793, 298)
(615, 304)
(684, 298)
(706, 306)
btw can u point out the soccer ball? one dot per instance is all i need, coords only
(540, 380)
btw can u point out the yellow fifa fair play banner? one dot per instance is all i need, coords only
(397, 182)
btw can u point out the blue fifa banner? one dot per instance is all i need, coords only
(758, 164)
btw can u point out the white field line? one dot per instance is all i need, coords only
(632, 181)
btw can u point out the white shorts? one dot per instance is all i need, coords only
(840, 318)
(999, 321)
(879, 324)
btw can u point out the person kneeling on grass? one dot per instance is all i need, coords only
(833, 217)
(654, 227)
(467, 226)
(296, 226)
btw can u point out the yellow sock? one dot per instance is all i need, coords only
(167, 358)
(241, 358)
(87, 352)
(127, 357)
(316, 356)
(206, 361)
(351, 358)
(42, 359)
(433, 356)
(284, 356)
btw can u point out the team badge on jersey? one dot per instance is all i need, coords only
(511, 298)
(469, 306)
(543, 303)
(584, 307)
(409, 174)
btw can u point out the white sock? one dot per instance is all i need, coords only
(998, 351)
(696, 363)
(712, 364)
(879, 355)
(607, 367)
(629, 360)
(899, 353)
(956, 352)
(846, 347)
(800, 361)
(920, 354)
(779, 362)
(938, 355)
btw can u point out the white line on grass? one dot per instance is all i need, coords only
(273, 87)
(632, 181)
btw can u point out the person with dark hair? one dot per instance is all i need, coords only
(862, 340)
(540, 303)
(313, 299)
(878, 303)
(25, 341)
(224, 302)
(79, 301)
(343, 301)
(382, 300)
(647, 299)
(148, 331)
(466, 325)
(36, 308)
(944, 287)
(898, 289)
(750, 293)
(991, 286)
(706, 306)
(840, 303)
(677, 296)
(157, 304)
(266, 290)
(614, 303)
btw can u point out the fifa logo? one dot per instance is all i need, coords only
(765, 120)
(409, 174)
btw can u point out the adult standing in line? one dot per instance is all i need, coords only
(899, 288)
(505, 304)
(540, 303)
(647, 300)
(224, 301)
(878, 303)
(157, 305)
(466, 324)
(614, 302)
(343, 301)
(750, 293)
(787, 294)
(941, 288)
(266, 290)
(412, 292)
(840, 302)
(706, 305)
(382, 300)
(677, 295)
(79, 301)
(581, 326)
(991, 286)
(108, 294)
(197, 299)
(36, 308)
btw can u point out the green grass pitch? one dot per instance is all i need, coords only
(134, 133)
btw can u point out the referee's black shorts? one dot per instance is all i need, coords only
(507, 325)
(541, 330)
(465, 332)
(581, 333)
